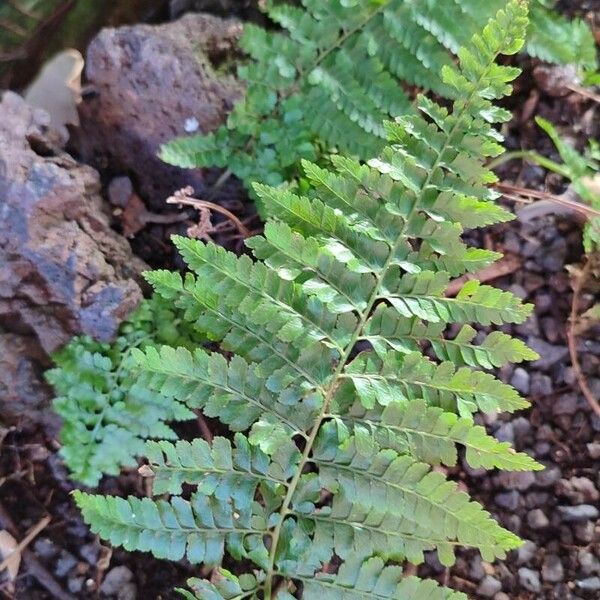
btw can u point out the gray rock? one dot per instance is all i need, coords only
(588, 562)
(516, 480)
(476, 570)
(75, 584)
(552, 569)
(581, 512)
(45, 548)
(526, 552)
(554, 256)
(64, 270)
(65, 563)
(508, 500)
(593, 449)
(536, 519)
(89, 552)
(549, 353)
(590, 584)
(116, 579)
(489, 587)
(579, 490)
(522, 428)
(548, 477)
(541, 385)
(505, 433)
(501, 596)
(128, 592)
(150, 82)
(585, 531)
(530, 579)
(520, 380)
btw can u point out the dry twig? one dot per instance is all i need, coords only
(34, 566)
(31, 534)
(184, 197)
(572, 340)
(505, 266)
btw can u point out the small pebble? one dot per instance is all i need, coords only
(489, 587)
(526, 552)
(593, 449)
(520, 380)
(591, 584)
(536, 519)
(508, 500)
(516, 480)
(582, 512)
(65, 563)
(115, 580)
(552, 569)
(529, 579)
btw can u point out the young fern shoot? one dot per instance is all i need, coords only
(339, 414)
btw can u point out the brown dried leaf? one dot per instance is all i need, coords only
(10, 555)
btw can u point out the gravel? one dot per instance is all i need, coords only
(552, 569)
(489, 587)
(582, 512)
(530, 579)
(536, 519)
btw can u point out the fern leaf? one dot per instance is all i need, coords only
(400, 377)
(230, 391)
(432, 434)
(369, 478)
(360, 579)
(305, 94)
(218, 469)
(223, 586)
(199, 529)
(344, 414)
(106, 415)
(386, 329)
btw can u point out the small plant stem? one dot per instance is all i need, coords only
(196, 203)
(576, 206)
(572, 340)
(533, 157)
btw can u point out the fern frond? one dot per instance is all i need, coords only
(305, 93)
(369, 478)
(223, 586)
(107, 415)
(400, 377)
(431, 434)
(198, 529)
(386, 329)
(343, 412)
(360, 579)
(216, 469)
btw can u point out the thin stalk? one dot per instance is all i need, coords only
(531, 156)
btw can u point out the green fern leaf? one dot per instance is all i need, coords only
(343, 413)
(305, 94)
(199, 529)
(106, 415)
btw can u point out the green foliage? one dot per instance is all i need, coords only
(583, 170)
(340, 416)
(305, 94)
(106, 415)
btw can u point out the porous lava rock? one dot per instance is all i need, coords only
(63, 270)
(148, 84)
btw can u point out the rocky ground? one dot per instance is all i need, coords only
(555, 510)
